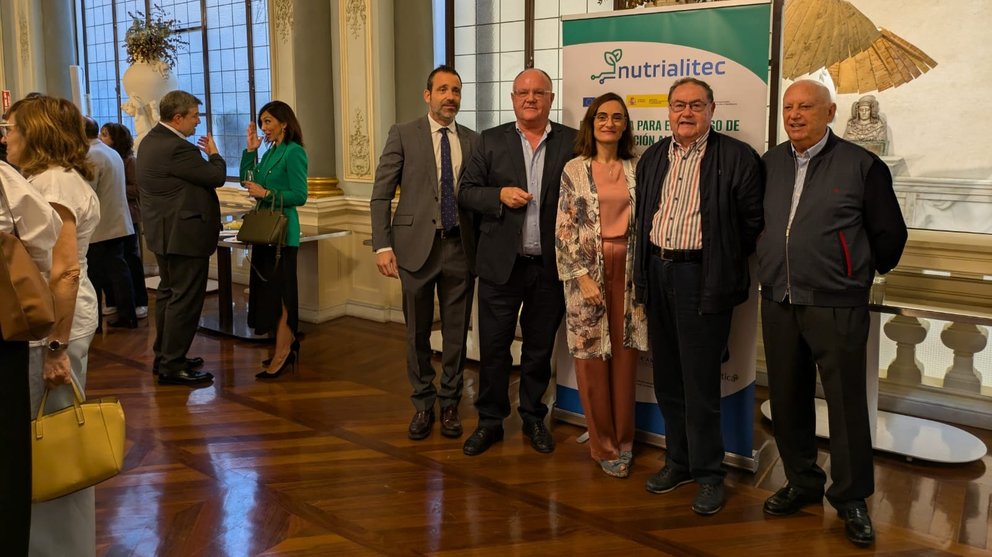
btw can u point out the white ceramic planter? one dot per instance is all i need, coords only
(145, 84)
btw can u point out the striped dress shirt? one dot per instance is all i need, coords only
(676, 224)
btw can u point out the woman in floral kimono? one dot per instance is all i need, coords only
(595, 252)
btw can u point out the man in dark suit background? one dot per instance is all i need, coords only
(428, 245)
(182, 223)
(512, 183)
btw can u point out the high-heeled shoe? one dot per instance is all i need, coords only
(289, 363)
(294, 348)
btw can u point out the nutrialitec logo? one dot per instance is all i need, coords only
(612, 58)
(681, 67)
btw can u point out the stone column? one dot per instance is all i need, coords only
(301, 34)
(59, 32)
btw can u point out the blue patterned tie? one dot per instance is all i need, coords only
(449, 216)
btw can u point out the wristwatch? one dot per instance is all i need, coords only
(57, 345)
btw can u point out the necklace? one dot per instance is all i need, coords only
(612, 168)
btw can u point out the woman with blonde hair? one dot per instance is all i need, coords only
(45, 139)
(594, 246)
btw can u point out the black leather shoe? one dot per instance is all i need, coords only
(857, 524)
(191, 363)
(186, 377)
(789, 500)
(451, 424)
(666, 480)
(124, 323)
(540, 437)
(421, 424)
(709, 500)
(481, 439)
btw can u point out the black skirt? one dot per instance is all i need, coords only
(273, 285)
(15, 438)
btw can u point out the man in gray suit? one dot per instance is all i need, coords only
(428, 244)
(181, 214)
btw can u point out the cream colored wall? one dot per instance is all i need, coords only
(939, 122)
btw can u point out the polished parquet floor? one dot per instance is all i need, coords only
(318, 463)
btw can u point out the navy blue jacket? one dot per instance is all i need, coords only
(730, 193)
(847, 226)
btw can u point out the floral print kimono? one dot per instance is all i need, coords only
(579, 251)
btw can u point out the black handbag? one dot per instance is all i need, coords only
(264, 225)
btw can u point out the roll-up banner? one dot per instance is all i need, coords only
(638, 54)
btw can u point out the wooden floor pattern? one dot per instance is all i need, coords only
(318, 463)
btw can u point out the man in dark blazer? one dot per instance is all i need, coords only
(512, 183)
(182, 223)
(428, 245)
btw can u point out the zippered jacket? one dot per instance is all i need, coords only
(730, 192)
(847, 226)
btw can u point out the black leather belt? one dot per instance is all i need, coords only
(453, 233)
(678, 255)
(530, 258)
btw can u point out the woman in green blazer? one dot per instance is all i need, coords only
(280, 177)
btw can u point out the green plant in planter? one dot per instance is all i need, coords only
(153, 38)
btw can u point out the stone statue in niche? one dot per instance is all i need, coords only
(867, 127)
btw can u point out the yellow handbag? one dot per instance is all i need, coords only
(76, 447)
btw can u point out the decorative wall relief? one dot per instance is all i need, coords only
(24, 38)
(282, 16)
(357, 89)
(360, 162)
(355, 14)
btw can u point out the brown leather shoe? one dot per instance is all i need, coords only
(421, 424)
(451, 424)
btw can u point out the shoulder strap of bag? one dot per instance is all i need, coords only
(6, 206)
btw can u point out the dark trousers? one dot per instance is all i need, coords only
(540, 294)
(798, 340)
(446, 270)
(687, 348)
(108, 271)
(178, 304)
(15, 438)
(132, 256)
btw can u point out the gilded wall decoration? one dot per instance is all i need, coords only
(355, 12)
(358, 142)
(282, 16)
(25, 39)
(361, 162)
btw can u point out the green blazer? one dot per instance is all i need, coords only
(282, 170)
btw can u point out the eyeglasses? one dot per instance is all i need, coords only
(695, 106)
(524, 93)
(4, 126)
(617, 118)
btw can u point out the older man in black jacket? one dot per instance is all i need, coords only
(182, 223)
(698, 215)
(833, 221)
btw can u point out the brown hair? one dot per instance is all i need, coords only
(585, 141)
(53, 136)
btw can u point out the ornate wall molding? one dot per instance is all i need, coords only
(360, 162)
(24, 38)
(282, 16)
(357, 89)
(355, 14)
